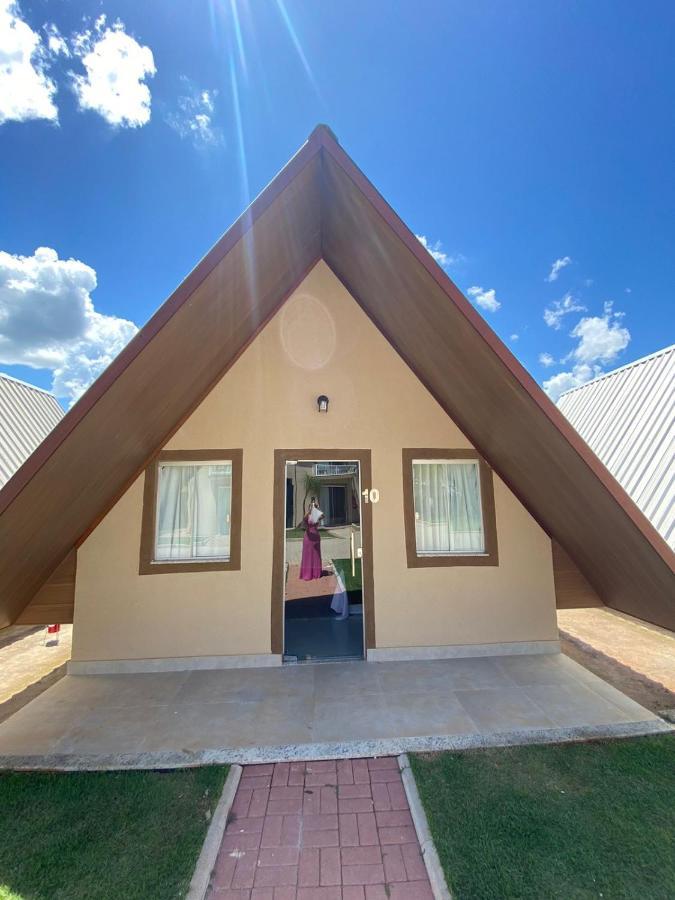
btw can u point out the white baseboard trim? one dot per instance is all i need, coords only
(461, 651)
(267, 660)
(171, 664)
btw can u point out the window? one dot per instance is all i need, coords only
(448, 516)
(192, 512)
(449, 509)
(194, 503)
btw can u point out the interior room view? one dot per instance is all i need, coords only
(323, 596)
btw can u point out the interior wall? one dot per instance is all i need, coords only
(319, 343)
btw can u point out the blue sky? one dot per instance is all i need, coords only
(510, 135)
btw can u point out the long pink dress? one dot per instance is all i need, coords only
(310, 564)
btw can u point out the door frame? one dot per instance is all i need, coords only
(281, 457)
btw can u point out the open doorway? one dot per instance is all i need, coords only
(323, 579)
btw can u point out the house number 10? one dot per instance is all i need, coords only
(371, 496)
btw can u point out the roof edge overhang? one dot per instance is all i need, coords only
(486, 333)
(323, 144)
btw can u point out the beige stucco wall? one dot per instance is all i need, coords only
(320, 342)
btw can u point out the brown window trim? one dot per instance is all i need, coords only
(491, 555)
(147, 566)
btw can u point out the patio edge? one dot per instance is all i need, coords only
(201, 876)
(432, 863)
(167, 759)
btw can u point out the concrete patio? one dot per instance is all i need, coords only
(315, 711)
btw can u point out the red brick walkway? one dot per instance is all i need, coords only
(296, 589)
(329, 830)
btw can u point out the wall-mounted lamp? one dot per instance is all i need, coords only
(322, 403)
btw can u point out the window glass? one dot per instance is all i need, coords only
(194, 502)
(448, 515)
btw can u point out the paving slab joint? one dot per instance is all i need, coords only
(435, 872)
(201, 876)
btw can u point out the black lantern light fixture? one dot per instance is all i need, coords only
(322, 403)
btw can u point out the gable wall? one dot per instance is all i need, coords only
(320, 342)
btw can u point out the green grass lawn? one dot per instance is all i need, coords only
(107, 835)
(344, 567)
(574, 821)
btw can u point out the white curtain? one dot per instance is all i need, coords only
(193, 511)
(448, 517)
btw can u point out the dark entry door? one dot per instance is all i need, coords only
(290, 511)
(348, 548)
(323, 583)
(338, 509)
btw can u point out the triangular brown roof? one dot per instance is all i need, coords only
(322, 206)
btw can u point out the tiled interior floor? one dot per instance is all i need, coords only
(328, 830)
(312, 630)
(324, 638)
(255, 715)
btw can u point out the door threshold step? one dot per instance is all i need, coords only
(317, 661)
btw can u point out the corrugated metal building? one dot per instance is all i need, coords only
(27, 415)
(628, 418)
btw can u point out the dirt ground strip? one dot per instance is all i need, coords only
(30, 662)
(635, 657)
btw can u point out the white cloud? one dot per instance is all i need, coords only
(601, 338)
(436, 249)
(56, 43)
(565, 381)
(116, 68)
(484, 299)
(557, 266)
(546, 359)
(48, 320)
(25, 90)
(553, 315)
(514, 337)
(194, 116)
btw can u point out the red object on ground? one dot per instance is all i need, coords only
(53, 629)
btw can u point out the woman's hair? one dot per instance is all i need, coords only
(312, 500)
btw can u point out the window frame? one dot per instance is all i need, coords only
(147, 563)
(490, 556)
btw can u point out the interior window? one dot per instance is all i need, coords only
(447, 503)
(194, 508)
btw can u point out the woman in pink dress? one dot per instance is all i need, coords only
(310, 564)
